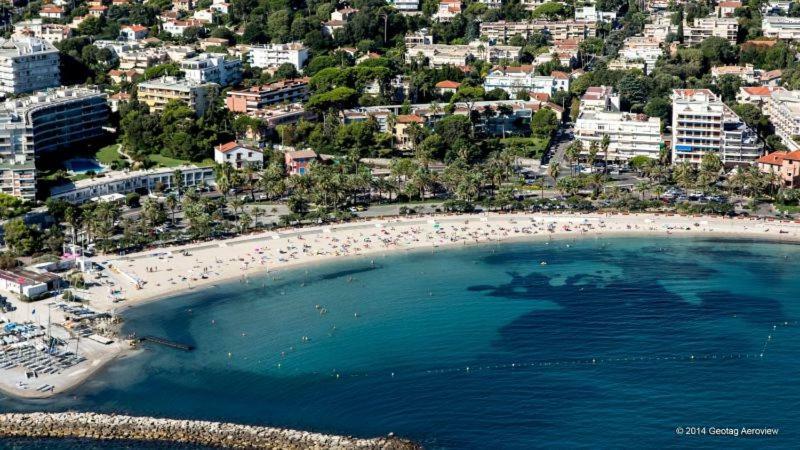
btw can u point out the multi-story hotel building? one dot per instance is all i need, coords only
(158, 92)
(556, 30)
(257, 97)
(274, 55)
(514, 80)
(702, 123)
(27, 64)
(781, 27)
(706, 27)
(629, 134)
(783, 109)
(44, 122)
(439, 55)
(207, 68)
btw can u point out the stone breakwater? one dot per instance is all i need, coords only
(210, 434)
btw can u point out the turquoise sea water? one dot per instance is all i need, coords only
(613, 343)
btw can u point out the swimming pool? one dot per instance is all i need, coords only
(83, 165)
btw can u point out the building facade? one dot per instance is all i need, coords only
(45, 122)
(514, 80)
(629, 134)
(258, 97)
(28, 64)
(702, 123)
(780, 27)
(158, 92)
(274, 55)
(208, 68)
(705, 27)
(558, 30)
(143, 181)
(783, 109)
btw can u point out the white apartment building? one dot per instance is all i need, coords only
(44, 122)
(406, 5)
(273, 55)
(783, 109)
(600, 99)
(48, 32)
(158, 92)
(781, 27)
(629, 134)
(208, 68)
(706, 27)
(514, 80)
(591, 14)
(557, 30)
(642, 49)
(421, 36)
(660, 27)
(702, 123)
(141, 59)
(27, 64)
(439, 55)
(123, 182)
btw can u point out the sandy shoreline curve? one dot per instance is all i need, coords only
(163, 273)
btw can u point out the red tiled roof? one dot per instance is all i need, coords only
(447, 84)
(730, 4)
(301, 154)
(772, 74)
(135, 27)
(760, 91)
(225, 148)
(409, 118)
(792, 156)
(559, 75)
(540, 96)
(774, 158)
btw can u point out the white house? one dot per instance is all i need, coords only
(133, 32)
(238, 155)
(273, 55)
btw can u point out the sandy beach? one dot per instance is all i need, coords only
(134, 279)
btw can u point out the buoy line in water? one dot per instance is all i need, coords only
(578, 362)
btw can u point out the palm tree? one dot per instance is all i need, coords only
(643, 186)
(223, 175)
(172, 204)
(554, 171)
(177, 180)
(604, 144)
(685, 175)
(572, 154)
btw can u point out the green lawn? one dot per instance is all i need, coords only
(791, 209)
(108, 154)
(530, 147)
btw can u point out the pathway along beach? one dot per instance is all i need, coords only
(163, 273)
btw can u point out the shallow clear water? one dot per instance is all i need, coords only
(612, 343)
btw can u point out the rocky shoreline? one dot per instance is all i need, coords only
(210, 434)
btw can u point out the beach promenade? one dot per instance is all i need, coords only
(152, 275)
